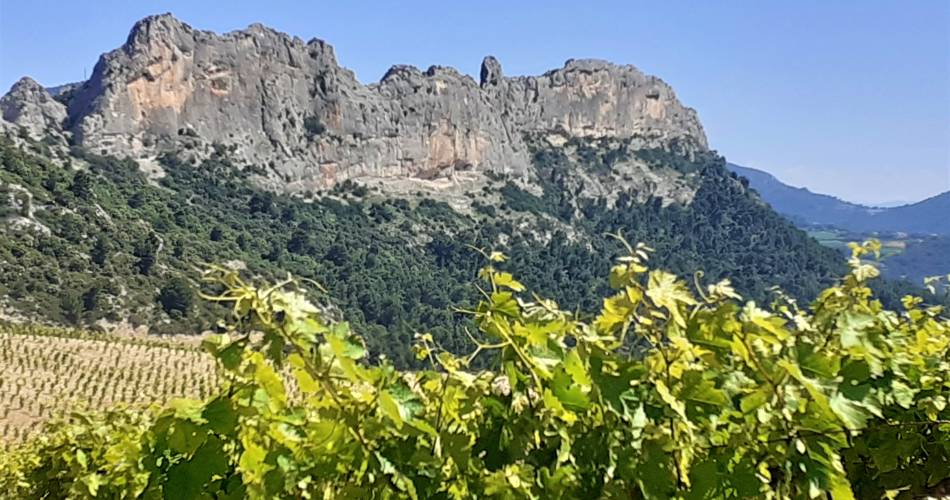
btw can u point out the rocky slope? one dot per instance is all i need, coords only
(288, 109)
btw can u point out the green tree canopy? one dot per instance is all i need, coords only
(177, 296)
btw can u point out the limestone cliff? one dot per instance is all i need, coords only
(286, 106)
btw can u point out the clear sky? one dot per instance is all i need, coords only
(850, 98)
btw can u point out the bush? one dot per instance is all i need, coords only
(176, 296)
(71, 307)
(146, 253)
(664, 393)
(313, 126)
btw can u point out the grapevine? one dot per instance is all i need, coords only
(666, 392)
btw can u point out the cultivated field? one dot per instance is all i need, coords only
(891, 245)
(46, 371)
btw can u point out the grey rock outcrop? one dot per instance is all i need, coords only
(286, 105)
(30, 106)
(491, 72)
(593, 98)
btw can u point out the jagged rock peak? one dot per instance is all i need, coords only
(30, 106)
(26, 85)
(491, 72)
(401, 71)
(288, 107)
(448, 71)
(590, 64)
(159, 25)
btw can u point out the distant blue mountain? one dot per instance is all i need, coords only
(805, 208)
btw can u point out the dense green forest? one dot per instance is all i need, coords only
(105, 242)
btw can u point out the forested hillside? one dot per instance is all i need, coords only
(105, 243)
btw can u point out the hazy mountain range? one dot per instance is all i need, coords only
(930, 216)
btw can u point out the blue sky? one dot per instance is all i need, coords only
(845, 97)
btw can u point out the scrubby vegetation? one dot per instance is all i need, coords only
(664, 392)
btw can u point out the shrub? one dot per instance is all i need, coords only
(176, 296)
(81, 185)
(71, 307)
(313, 126)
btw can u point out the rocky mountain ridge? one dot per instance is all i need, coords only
(286, 108)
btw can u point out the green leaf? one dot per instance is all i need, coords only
(270, 382)
(666, 291)
(305, 381)
(220, 415)
(231, 355)
(186, 436)
(390, 408)
(903, 394)
(252, 462)
(576, 369)
(93, 482)
(188, 409)
(506, 280)
(615, 313)
(754, 400)
(697, 389)
(852, 413)
(667, 397)
(853, 332)
(568, 393)
(188, 479)
(656, 474)
(504, 303)
(818, 363)
(344, 346)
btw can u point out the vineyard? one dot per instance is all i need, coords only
(49, 371)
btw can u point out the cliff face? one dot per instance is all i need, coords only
(285, 105)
